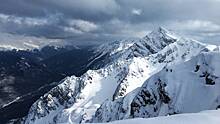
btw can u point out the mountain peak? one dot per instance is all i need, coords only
(159, 31)
(162, 30)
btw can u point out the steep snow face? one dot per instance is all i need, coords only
(205, 117)
(192, 86)
(180, 51)
(124, 66)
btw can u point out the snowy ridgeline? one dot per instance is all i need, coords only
(158, 75)
(206, 117)
(189, 87)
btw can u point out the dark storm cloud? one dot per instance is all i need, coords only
(105, 20)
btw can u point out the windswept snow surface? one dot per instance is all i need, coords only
(205, 117)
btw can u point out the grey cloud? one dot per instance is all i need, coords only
(98, 20)
(162, 10)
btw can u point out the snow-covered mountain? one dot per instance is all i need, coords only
(133, 78)
(188, 87)
(126, 49)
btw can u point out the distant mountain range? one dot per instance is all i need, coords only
(28, 74)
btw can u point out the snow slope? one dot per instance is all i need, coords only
(205, 117)
(121, 68)
(188, 87)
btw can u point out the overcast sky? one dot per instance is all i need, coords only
(105, 20)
